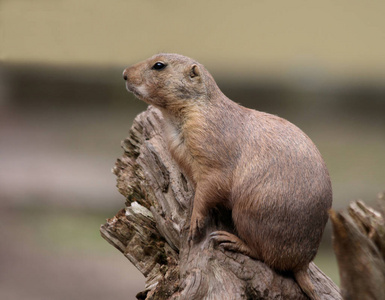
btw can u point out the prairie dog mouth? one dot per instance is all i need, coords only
(142, 90)
(139, 91)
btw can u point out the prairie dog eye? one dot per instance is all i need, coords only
(158, 66)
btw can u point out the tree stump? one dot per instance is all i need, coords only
(359, 244)
(151, 231)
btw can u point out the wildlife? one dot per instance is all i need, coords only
(261, 167)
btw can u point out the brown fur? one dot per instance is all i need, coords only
(262, 167)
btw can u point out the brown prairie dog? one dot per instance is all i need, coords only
(261, 167)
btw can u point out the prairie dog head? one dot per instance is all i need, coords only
(169, 81)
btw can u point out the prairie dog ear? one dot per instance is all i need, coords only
(195, 71)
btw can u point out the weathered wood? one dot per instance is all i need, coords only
(152, 232)
(359, 244)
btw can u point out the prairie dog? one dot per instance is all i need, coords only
(261, 167)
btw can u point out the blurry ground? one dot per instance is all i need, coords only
(60, 133)
(56, 189)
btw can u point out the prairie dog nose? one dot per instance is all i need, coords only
(125, 75)
(132, 75)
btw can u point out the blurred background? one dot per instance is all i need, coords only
(64, 110)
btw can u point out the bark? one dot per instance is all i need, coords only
(151, 231)
(359, 244)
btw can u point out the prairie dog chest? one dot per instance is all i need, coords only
(178, 146)
(175, 138)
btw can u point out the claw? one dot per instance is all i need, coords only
(230, 242)
(222, 236)
(196, 229)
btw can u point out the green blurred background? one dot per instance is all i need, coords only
(64, 110)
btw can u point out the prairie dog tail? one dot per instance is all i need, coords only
(303, 280)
